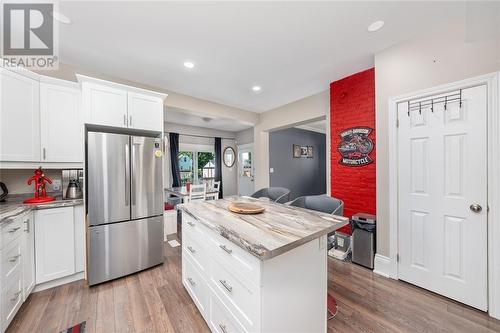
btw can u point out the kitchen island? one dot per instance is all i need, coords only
(257, 273)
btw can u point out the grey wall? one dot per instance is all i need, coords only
(303, 176)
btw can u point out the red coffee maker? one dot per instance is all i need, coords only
(40, 193)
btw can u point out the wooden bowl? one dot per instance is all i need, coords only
(246, 208)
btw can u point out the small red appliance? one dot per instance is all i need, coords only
(40, 193)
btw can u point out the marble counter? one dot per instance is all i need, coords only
(14, 206)
(279, 229)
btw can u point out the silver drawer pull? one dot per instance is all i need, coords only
(191, 249)
(227, 286)
(14, 258)
(27, 222)
(224, 247)
(191, 224)
(223, 328)
(13, 230)
(16, 296)
(191, 282)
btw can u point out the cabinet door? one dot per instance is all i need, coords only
(19, 118)
(145, 112)
(104, 105)
(54, 243)
(62, 124)
(79, 238)
(28, 255)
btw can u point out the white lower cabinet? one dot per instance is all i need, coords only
(236, 292)
(54, 243)
(28, 251)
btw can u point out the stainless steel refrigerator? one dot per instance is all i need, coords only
(124, 205)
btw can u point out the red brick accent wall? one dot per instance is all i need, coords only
(352, 104)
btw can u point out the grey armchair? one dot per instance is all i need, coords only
(276, 194)
(320, 203)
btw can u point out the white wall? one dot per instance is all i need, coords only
(311, 108)
(467, 48)
(244, 137)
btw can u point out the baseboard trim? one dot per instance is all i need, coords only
(384, 266)
(58, 282)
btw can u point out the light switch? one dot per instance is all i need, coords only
(271, 170)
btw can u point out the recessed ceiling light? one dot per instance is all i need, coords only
(188, 64)
(256, 88)
(60, 17)
(377, 25)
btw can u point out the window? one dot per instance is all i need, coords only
(196, 166)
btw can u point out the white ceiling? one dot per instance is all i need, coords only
(183, 117)
(291, 49)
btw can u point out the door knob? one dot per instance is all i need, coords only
(476, 208)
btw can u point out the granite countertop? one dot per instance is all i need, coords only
(279, 229)
(14, 206)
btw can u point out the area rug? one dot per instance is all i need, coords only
(173, 243)
(80, 328)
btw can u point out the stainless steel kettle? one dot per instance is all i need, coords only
(74, 190)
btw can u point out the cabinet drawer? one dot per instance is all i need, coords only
(235, 258)
(196, 252)
(195, 285)
(12, 298)
(243, 299)
(194, 229)
(10, 231)
(11, 259)
(221, 320)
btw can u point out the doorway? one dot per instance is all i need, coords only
(246, 170)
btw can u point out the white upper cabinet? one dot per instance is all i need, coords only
(145, 112)
(62, 123)
(104, 105)
(117, 105)
(19, 117)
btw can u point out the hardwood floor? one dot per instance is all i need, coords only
(155, 301)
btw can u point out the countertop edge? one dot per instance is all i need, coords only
(17, 209)
(268, 254)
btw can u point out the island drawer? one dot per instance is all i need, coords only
(196, 286)
(235, 258)
(221, 320)
(242, 298)
(196, 252)
(194, 229)
(10, 259)
(10, 231)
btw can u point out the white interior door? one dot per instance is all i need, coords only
(245, 170)
(442, 175)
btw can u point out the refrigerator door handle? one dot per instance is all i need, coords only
(127, 175)
(133, 168)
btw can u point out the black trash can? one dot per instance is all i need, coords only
(363, 239)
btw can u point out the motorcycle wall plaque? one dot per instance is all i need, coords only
(355, 146)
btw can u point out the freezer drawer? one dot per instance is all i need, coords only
(123, 248)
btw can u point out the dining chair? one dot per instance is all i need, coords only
(215, 187)
(198, 192)
(276, 194)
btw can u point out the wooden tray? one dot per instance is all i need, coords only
(245, 208)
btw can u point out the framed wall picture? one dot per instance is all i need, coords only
(310, 152)
(296, 151)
